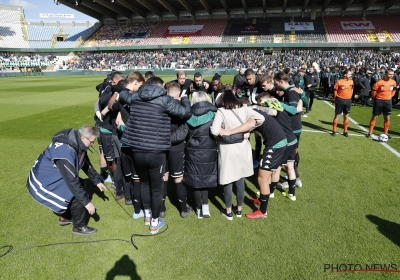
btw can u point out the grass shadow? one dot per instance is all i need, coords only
(313, 126)
(94, 190)
(215, 196)
(387, 228)
(123, 267)
(340, 125)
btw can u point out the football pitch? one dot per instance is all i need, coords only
(346, 217)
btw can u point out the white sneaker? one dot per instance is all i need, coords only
(199, 213)
(292, 197)
(206, 211)
(285, 185)
(298, 183)
(271, 195)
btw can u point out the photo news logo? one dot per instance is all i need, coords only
(357, 267)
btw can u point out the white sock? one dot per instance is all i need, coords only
(147, 212)
(154, 222)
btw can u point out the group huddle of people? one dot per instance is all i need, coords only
(193, 130)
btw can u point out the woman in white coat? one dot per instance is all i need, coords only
(235, 161)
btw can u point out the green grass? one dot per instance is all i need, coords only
(346, 212)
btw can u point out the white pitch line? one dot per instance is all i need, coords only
(372, 136)
(319, 131)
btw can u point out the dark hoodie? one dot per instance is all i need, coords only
(149, 125)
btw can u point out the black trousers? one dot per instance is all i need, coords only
(150, 168)
(77, 212)
(310, 96)
(327, 90)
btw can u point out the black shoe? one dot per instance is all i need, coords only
(368, 135)
(345, 134)
(237, 212)
(389, 137)
(186, 213)
(85, 230)
(229, 216)
(63, 222)
(333, 133)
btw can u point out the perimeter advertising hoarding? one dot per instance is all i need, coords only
(357, 25)
(184, 30)
(299, 26)
(249, 29)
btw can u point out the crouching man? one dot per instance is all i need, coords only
(54, 180)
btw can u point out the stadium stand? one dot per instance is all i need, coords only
(273, 31)
(11, 30)
(58, 35)
(335, 32)
(386, 28)
(210, 33)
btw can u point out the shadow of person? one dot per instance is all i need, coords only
(307, 125)
(92, 189)
(389, 229)
(124, 267)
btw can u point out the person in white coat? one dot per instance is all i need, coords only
(235, 161)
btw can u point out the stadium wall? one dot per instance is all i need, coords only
(271, 46)
(104, 73)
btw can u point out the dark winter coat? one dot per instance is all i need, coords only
(201, 154)
(311, 79)
(364, 83)
(149, 125)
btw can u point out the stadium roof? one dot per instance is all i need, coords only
(145, 9)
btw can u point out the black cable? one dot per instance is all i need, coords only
(10, 247)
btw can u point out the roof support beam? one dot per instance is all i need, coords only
(391, 3)
(150, 7)
(325, 5)
(346, 5)
(83, 10)
(206, 6)
(133, 8)
(113, 8)
(284, 6)
(98, 8)
(368, 4)
(169, 7)
(226, 6)
(188, 7)
(305, 3)
(264, 6)
(245, 7)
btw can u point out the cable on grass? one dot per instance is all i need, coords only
(10, 248)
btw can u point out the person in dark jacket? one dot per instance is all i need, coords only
(148, 134)
(54, 178)
(130, 179)
(216, 89)
(201, 154)
(328, 81)
(239, 79)
(364, 82)
(298, 79)
(310, 82)
(176, 156)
